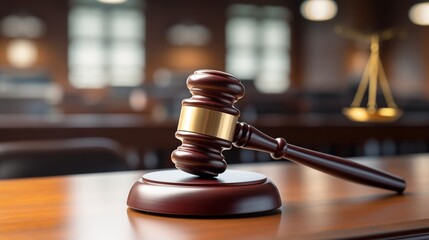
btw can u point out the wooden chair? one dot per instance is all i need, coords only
(60, 157)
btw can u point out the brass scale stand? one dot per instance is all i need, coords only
(373, 72)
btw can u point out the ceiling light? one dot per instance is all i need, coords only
(419, 13)
(318, 10)
(21, 53)
(112, 1)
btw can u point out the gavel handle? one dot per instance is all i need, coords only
(248, 137)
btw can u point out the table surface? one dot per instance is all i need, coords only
(315, 205)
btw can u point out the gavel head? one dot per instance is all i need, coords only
(207, 122)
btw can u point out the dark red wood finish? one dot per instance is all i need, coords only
(177, 193)
(233, 192)
(247, 136)
(202, 154)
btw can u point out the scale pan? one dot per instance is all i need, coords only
(360, 114)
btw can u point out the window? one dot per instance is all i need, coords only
(106, 44)
(258, 45)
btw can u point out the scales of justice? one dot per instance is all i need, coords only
(203, 186)
(373, 75)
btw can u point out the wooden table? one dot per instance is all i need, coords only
(315, 206)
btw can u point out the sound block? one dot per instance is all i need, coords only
(233, 192)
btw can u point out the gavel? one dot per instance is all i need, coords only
(209, 124)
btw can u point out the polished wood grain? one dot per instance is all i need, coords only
(248, 137)
(315, 206)
(174, 192)
(201, 153)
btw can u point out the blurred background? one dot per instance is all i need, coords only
(117, 69)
